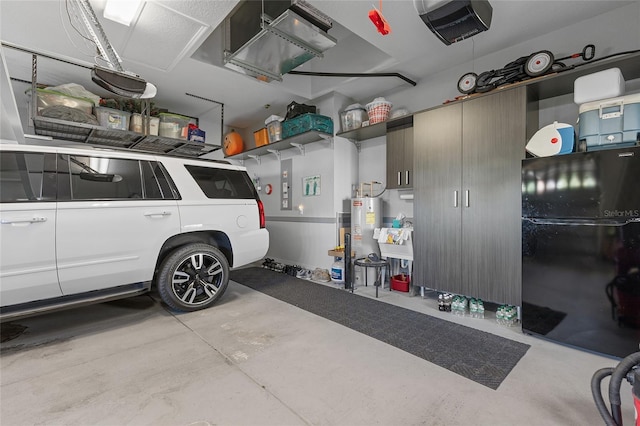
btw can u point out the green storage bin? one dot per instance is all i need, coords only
(306, 122)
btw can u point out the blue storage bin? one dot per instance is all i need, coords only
(610, 123)
(306, 122)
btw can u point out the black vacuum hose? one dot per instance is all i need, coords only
(619, 374)
(596, 391)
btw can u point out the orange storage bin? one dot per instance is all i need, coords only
(261, 137)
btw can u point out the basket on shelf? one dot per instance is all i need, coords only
(378, 110)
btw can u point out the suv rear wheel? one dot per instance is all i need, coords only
(193, 277)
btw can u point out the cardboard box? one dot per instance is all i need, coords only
(340, 253)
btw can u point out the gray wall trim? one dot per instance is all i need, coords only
(321, 219)
(301, 219)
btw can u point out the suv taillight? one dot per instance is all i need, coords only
(263, 222)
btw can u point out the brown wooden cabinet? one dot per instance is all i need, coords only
(400, 157)
(467, 196)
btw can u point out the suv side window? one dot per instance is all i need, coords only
(223, 183)
(157, 184)
(27, 177)
(98, 178)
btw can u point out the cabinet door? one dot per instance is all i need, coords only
(395, 158)
(406, 172)
(437, 207)
(400, 158)
(494, 135)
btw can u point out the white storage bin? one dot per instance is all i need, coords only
(113, 118)
(599, 85)
(137, 124)
(352, 117)
(274, 128)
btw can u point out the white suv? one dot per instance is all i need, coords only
(86, 225)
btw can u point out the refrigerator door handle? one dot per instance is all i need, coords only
(582, 222)
(466, 198)
(455, 198)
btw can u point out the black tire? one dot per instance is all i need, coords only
(467, 83)
(558, 66)
(193, 277)
(484, 82)
(538, 63)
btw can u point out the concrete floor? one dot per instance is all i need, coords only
(253, 360)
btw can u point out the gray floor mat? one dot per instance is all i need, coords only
(482, 357)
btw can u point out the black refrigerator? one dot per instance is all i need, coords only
(581, 250)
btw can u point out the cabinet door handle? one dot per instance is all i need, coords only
(466, 198)
(455, 198)
(399, 178)
(406, 177)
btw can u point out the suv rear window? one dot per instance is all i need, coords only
(100, 178)
(26, 176)
(223, 183)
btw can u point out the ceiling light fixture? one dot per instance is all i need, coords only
(122, 11)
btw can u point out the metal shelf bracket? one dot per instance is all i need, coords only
(299, 146)
(327, 137)
(255, 157)
(275, 152)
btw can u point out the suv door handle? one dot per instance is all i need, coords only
(16, 221)
(151, 214)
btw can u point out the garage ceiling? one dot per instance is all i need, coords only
(164, 47)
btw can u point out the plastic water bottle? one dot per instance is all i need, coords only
(337, 272)
(479, 309)
(500, 315)
(513, 316)
(507, 315)
(458, 305)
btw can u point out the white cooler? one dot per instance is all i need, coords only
(609, 123)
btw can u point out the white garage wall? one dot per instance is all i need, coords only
(612, 32)
(305, 239)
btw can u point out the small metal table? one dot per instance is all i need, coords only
(365, 262)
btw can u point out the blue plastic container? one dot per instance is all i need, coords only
(306, 122)
(610, 123)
